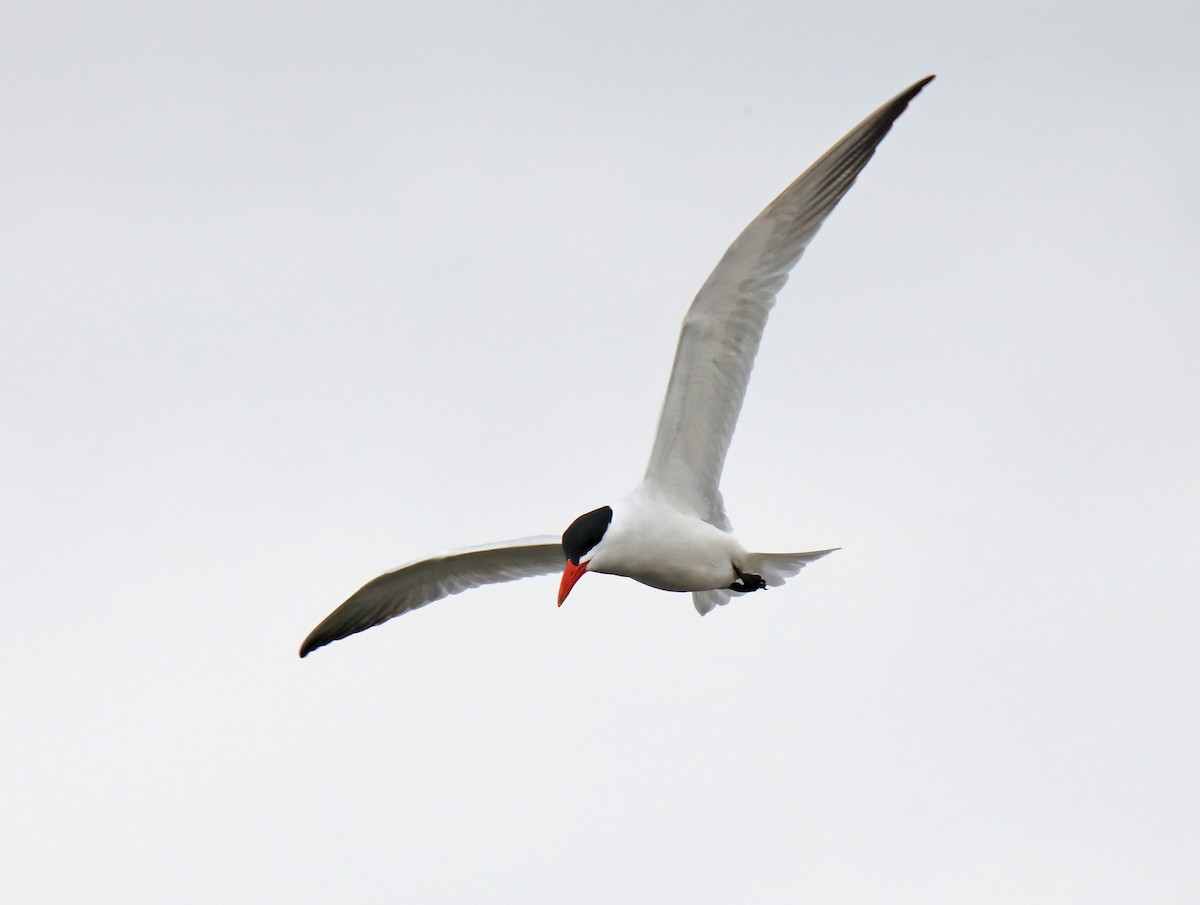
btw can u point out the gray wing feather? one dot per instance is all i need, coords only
(724, 325)
(418, 583)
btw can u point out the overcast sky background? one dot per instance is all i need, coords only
(294, 293)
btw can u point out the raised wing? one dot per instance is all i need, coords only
(427, 580)
(724, 325)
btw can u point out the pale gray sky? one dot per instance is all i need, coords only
(293, 293)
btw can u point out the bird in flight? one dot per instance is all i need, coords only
(671, 532)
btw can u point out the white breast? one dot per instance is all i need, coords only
(664, 548)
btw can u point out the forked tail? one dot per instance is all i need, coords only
(775, 569)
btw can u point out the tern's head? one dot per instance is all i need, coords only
(579, 543)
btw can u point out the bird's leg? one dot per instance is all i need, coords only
(747, 582)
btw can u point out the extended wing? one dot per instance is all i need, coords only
(724, 325)
(427, 580)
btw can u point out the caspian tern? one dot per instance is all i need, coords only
(671, 532)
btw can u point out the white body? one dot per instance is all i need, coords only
(651, 541)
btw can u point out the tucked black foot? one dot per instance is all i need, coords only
(747, 582)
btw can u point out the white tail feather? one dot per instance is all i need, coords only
(707, 601)
(775, 569)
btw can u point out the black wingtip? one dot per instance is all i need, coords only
(310, 644)
(912, 91)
